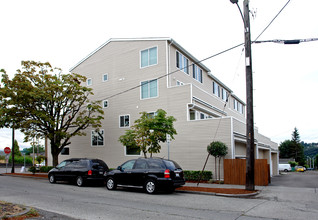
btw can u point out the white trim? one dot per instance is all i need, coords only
(98, 146)
(124, 121)
(89, 79)
(103, 79)
(129, 155)
(148, 56)
(148, 83)
(106, 100)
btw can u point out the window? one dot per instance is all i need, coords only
(224, 95)
(124, 121)
(148, 57)
(197, 73)
(128, 165)
(182, 62)
(105, 77)
(238, 106)
(133, 151)
(105, 103)
(192, 115)
(152, 114)
(149, 89)
(65, 151)
(141, 164)
(89, 82)
(216, 89)
(98, 138)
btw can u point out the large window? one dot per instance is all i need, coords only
(97, 138)
(216, 89)
(148, 57)
(124, 121)
(197, 73)
(149, 89)
(182, 62)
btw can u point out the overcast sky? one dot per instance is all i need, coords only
(63, 32)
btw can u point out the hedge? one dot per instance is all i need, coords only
(20, 160)
(191, 175)
(45, 169)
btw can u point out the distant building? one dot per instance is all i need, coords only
(169, 77)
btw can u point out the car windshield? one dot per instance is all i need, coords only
(128, 165)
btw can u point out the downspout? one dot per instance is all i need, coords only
(168, 63)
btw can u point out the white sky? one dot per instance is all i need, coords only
(285, 76)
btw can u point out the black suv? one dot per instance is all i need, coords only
(79, 170)
(148, 173)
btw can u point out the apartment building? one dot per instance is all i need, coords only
(135, 75)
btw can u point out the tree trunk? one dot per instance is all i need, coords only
(219, 170)
(215, 169)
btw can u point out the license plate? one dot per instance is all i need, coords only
(177, 175)
(101, 172)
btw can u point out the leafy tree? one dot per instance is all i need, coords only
(295, 136)
(16, 149)
(29, 150)
(217, 149)
(149, 131)
(42, 102)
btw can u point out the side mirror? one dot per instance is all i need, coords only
(119, 168)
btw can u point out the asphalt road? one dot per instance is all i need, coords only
(94, 202)
(308, 179)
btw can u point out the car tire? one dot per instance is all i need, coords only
(285, 170)
(52, 178)
(79, 181)
(150, 186)
(111, 183)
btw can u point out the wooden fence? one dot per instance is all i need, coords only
(235, 172)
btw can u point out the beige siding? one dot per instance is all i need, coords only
(121, 61)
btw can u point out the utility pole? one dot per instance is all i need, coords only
(250, 157)
(249, 185)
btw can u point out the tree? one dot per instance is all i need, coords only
(293, 148)
(149, 131)
(42, 102)
(37, 147)
(217, 149)
(16, 149)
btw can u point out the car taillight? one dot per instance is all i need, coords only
(167, 174)
(90, 172)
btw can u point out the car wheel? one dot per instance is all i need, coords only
(79, 181)
(111, 184)
(150, 186)
(52, 178)
(285, 170)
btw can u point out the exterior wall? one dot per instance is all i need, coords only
(121, 61)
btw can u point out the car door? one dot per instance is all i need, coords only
(60, 172)
(139, 172)
(124, 176)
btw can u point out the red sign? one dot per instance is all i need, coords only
(7, 150)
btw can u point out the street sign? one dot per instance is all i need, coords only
(7, 150)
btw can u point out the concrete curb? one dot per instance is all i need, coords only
(219, 194)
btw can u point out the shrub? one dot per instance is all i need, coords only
(45, 169)
(32, 169)
(293, 163)
(20, 160)
(195, 175)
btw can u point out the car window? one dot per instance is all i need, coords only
(141, 164)
(171, 165)
(63, 164)
(101, 163)
(156, 164)
(128, 165)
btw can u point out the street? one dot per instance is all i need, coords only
(96, 202)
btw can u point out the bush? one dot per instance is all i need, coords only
(20, 160)
(32, 169)
(45, 169)
(195, 175)
(293, 163)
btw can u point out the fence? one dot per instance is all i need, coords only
(235, 172)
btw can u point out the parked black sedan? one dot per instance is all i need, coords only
(79, 170)
(148, 173)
